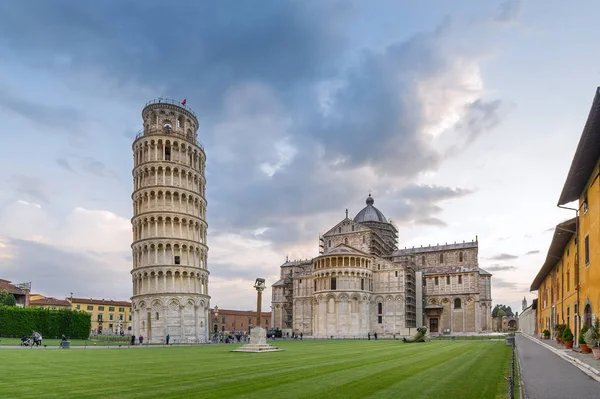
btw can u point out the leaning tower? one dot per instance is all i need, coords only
(170, 275)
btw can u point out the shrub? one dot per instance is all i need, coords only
(558, 330)
(546, 333)
(581, 338)
(567, 335)
(17, 321)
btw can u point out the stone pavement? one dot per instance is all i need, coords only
(551, 372)
(585, 361)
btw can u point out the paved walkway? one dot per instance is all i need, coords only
(550, 372)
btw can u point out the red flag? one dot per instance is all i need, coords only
(184, 101)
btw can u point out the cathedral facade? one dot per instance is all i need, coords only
(361, 284)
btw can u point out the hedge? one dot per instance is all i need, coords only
(16, 321)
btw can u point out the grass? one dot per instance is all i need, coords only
(305, 369)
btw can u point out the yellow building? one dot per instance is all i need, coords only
(569, 282)
(582, 185)
(555, 282)
(108, 317)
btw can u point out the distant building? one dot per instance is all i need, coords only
(237, 320)
(108, 317)
(40, 301)
(20, 291)
(361, 283)
(527, 319)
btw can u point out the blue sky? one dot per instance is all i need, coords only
(461, 117)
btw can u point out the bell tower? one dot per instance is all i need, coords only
(170, 273)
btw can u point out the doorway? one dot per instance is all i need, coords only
(587, 315)
(433, 324)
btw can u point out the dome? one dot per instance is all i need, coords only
(370, 213)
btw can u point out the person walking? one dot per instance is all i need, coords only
(369, 336)
(132, 340)
(168, 338)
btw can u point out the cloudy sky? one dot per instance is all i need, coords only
(461, 118)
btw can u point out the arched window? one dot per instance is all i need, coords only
(457, 303)
(363, 239)
(157, 316)
(329, 243)
(346, 240)
(339, 229)
(460, 256)
(423, 260)
(379, 308)
(441, 258)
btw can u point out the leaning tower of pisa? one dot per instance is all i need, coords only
(170, 274)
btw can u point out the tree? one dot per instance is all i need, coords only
(7, 299)
(506, 311)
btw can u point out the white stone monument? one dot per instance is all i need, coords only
(258, 335)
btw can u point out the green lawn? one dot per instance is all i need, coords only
(305, 369)
(74, 342)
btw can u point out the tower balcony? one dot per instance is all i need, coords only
(176, 133)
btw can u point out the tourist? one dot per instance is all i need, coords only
(168, 338)
(141, 339)
(369, 336)
(375, 335)
(301, 336)
(133, 340)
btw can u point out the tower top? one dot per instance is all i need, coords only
(165, 100)
(167, 116)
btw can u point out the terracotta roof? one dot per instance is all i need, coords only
(586, 156)
(562, 235)
(91, 301)
(50, 302)
(11, 289)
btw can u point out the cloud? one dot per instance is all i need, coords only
(418, 203)
(499, 268)
(97, 168)
(57, 272)
(509, 11)
(533, 252)
(29, 204)
(501, 283)
(63, 163)
(504, 257)
(30, 187)
(51, 118)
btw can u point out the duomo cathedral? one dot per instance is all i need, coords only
(361, 283)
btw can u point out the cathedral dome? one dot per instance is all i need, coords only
(370, 213)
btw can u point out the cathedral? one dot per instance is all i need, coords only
(361, 284)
